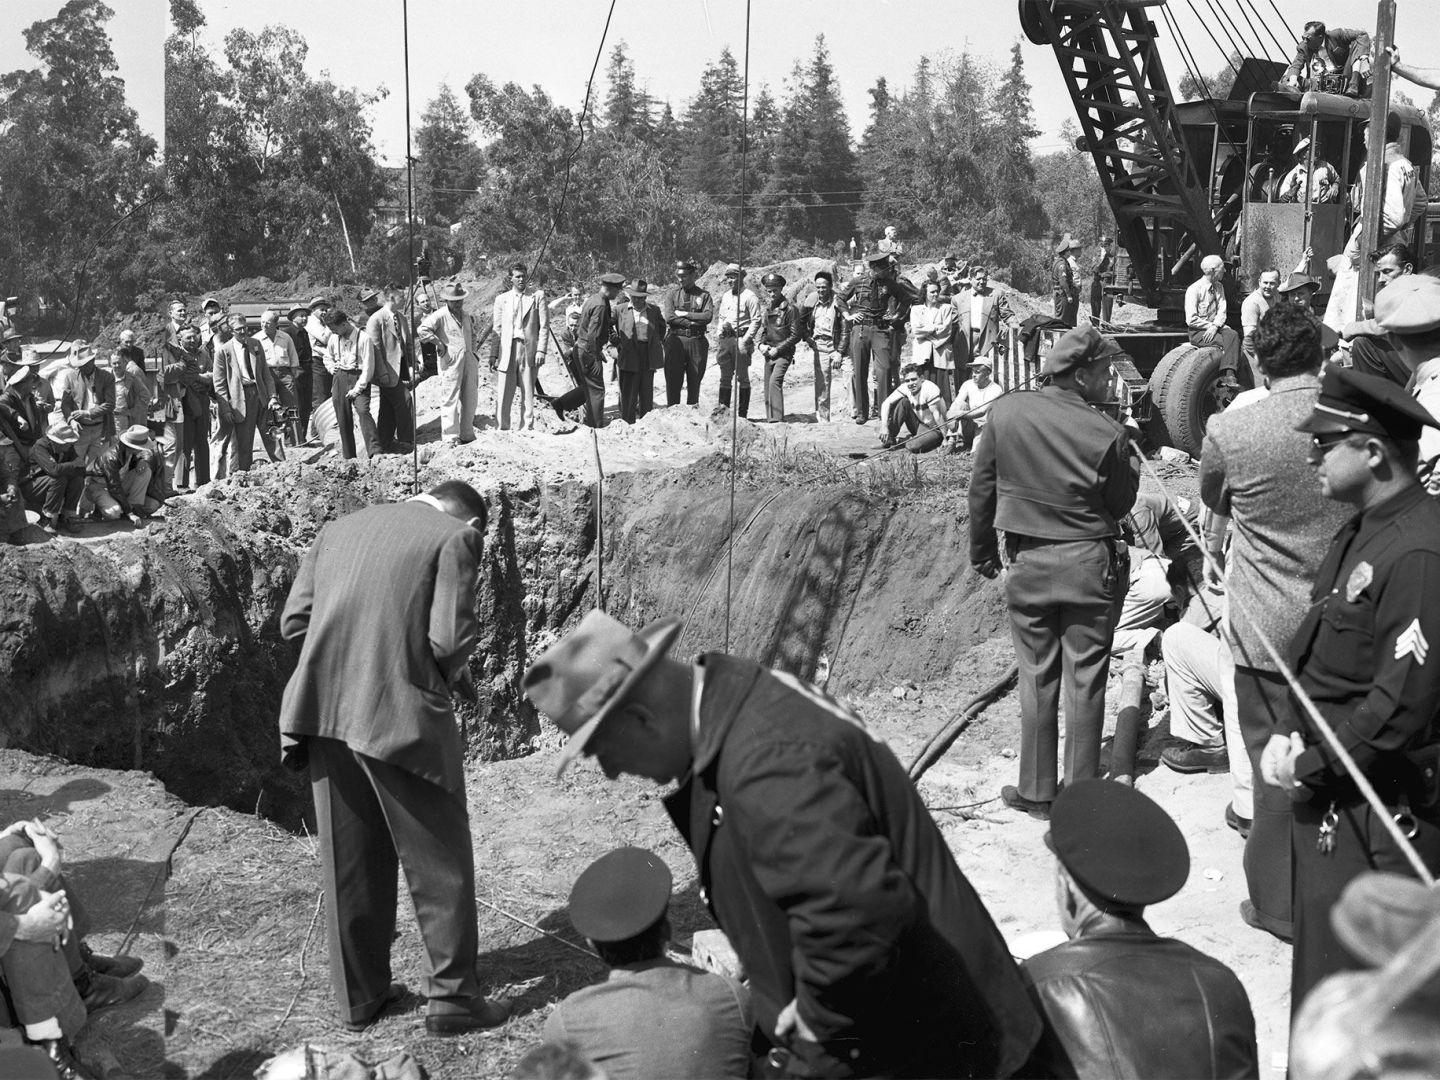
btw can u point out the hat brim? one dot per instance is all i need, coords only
(63, 441)
(148, 444)
(658, 636)
(1320, 424)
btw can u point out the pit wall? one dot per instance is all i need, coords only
(160, 649)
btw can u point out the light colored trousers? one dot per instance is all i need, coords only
(1200, 674)
(461, 383)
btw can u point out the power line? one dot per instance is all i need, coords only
(739, 357)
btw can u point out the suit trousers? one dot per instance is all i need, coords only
(589, 391)
(1361, 844)
(321, 382)
(685, 366)
(1262, 701)
(827, 363)
(1226, 340)
(637, 394)
(348, 410)
(53, 495)
(188, 454)
(38, 976)
(374, 817)
(519, 374)
(393, 422)
(1064, 598)
(869, 346)
(1067, 308)
(775, 369)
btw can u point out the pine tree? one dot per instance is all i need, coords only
(712, 129)
(448, 165)
(627, 108)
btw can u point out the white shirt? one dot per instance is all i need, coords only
(1204, 304)
(741, 312)
(972, 396)
(279, 353)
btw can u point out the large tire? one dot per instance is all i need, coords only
(1191, 398)
(1158, 387)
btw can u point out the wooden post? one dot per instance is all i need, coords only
(1375, 152)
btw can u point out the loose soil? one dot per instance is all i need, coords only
(225, 906)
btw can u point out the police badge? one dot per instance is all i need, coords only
(1360, 577)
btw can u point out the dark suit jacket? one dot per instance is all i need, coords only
(103, 385)
(820, 862)
(637, 355)
(994, 307)
(384, 603)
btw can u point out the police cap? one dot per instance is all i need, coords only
(1409, 305)
(620, 894)
(1366, 405)
(686, 264)
(1119, 845)
(772, 279)
(1074, 348)
(612, 279)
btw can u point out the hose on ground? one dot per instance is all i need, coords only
(934, 749)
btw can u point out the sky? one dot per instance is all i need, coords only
(553, 43)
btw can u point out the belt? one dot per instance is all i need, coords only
(687, 333)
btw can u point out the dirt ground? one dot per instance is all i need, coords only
(225, 907)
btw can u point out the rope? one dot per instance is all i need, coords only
(1320, 723)
(735, 374)
(1193, 67)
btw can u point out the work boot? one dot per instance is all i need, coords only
(479, 1015)
(725, 395)
(119, 967)
(744, 407)
(99, 991)
(1196, 759)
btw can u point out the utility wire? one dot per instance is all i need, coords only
(1245, 11)
(739, 358)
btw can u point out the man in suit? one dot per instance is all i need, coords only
(980, 315)
(393, 424)
(384, 605)
(641, 352)
(1254, 473)
(133, 392)
(868, 951)
(243, 382)
(522, 329)
(594, 332)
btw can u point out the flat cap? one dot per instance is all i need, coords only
(1073, 348)
(1378, 914)
(1118, 844)
(773, 278)
(733, 268)
(1366, 405)
(620, 894)
(612, 279)
(1409, 305)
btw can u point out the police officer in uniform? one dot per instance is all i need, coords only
(1057, 476)
(779, 334)
(874, 299)
(687, 310)
(1363, 655)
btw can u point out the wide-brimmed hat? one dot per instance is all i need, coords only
(1409, 305)
(453, 292)
(639, 288)
(62, 433)
(19, 375)
(878, 257)
(1378, 914)
(1118, 844)
(11, 334)
(580, 679)
(620, 894)
(29, 357)
(319, 301)
(81, 353)
(291, 313)
(370, 296)
(1299, 281)
(137, 437)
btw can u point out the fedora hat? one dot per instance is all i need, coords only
(318, 302)
(137, 437)
(81, 353)
(639, 287)
(1379, 913)
(291, 313)
(63, 434)
(453, 292)
(580, 679)
(19, 375)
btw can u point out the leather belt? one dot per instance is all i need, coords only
(687, 333)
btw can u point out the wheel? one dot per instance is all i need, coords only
(1032, 23)
(1156, 431)
(1192, 396)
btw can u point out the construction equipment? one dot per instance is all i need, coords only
(1186, 180)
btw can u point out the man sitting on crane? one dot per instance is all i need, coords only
(1335, 61)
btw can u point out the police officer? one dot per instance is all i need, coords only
(687, 310)
(1057, 476)
(875, 298)
(779, 333)
(1362, 654)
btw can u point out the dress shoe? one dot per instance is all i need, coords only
(120, 967)
(1253, 918)
(1196, 759)
(63, 1060)
(482, 1014)
(394, 993)
(99, 991)
(1036, 808)
(1238, 823)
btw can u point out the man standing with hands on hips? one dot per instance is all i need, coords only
(1057, 476)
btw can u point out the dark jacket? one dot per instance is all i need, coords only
(597, 327)
(1049, 466)
(820, 862)
(841, 342)
(779, 327)
(1119, 1001)
(633, 354)
(102, 384)
(22, 418)
(54, 459)
(879, 300)
(107, 469)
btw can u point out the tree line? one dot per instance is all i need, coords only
(270, 170)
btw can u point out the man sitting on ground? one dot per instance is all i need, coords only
(652, 1017)
(966, 416)
(1117, 999)
(915, 403)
